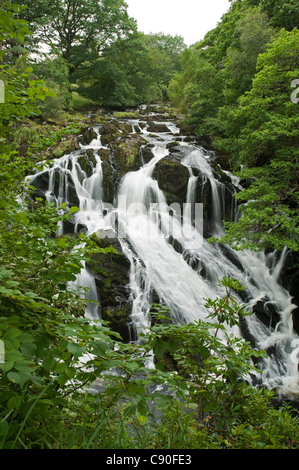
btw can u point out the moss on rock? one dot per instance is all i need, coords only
(173, 178)
(111, 272)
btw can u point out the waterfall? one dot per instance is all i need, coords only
(169, 256)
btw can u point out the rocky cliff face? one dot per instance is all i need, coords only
(111, 272)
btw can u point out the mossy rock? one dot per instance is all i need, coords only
(108, 183)
(119, 320)
(173, 178)
(126, 153)
(111, 271)
(112, 130)
(66, 147)
(87, 164)
(104, 154)
(87, 136)
(157, 128)
(171, 145)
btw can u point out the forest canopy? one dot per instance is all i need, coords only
(95, 49)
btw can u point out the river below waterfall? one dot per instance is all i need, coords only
(165, 240)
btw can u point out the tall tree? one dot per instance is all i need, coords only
(264, 138)
(78, 30)
(165, 51)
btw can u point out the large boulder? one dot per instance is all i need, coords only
(87, 162)
(113, 129)
(87, 136)
(111, 271)
(173, 178)
(126, 152)
(157, 128)
(109, 184)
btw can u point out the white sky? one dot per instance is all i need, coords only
(191, 19)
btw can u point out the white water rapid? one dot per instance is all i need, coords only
(150, 232)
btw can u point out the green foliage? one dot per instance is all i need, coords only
(263, 132)
(269, 216)
(207, 353)
(54, 71)
(69, 382)
(254, 34)
(266, 120)
(10, 27)
(235, 89)
(164, 52)
(132, 71)
(78, 30)
(282, 14)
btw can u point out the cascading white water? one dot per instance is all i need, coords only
(88, 189)
(182, 279)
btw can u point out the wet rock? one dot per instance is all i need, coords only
(113, 129)
(41, 181)
(70, 227)
(266, 312)
(72, 196)
(145, 154)
(109, 185)
(87, 163)
(88, 136)
(126, 153)
(219, 174)
(104, 154)
(205, 194)
(222, 161)
(111, 273)
(171, 145)
(290, 280)
(118, 319)
(157, 128)
(173, 178)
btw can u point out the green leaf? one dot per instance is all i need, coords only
(28, 349)
(12, 333)
(70, 372)
(14, 402)
(160, 348)
(76, 349)
(73, 209)
(99, 347)
(19, 378)
(4, 426)
(48, 363)
(22, 218)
